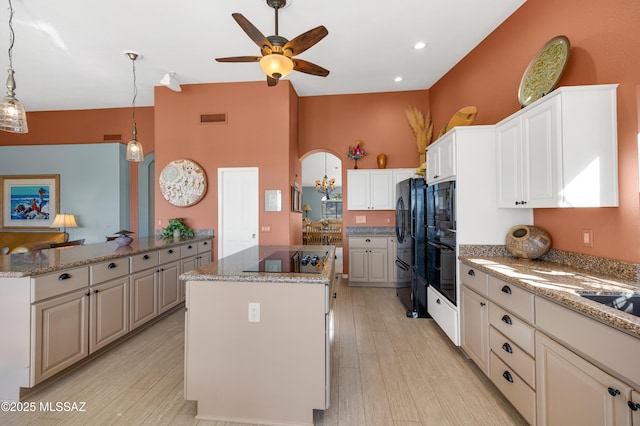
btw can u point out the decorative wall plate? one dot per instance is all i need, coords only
(544, 71)
(183, 183)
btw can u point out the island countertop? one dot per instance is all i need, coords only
(233, 268)
(51, 260)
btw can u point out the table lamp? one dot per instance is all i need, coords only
(307, 209)
(63, 221)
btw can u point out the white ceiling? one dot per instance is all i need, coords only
(68, 54)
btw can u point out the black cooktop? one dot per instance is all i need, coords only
(292, 261)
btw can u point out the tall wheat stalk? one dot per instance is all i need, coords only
(422, 127)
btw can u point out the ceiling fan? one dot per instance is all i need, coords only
(278, 53)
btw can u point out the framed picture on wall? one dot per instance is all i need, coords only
(296, 200)
(29, 201)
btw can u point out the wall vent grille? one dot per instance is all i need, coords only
(112, 137)
(213, 118)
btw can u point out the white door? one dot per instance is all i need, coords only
(237, 209)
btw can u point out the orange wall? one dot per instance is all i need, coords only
(333, 123)
(257, 134)
(89, 126)
(605, 48)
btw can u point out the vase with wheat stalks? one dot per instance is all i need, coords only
(422, 129)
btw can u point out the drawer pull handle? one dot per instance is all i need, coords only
(190, 247)
(206, 243)
(88, 294)
(472, 272)
(506, 289)
(483, 304)
(145, 257)
(507, 348)
(633, 405)
(335, 295)
(507, 376)
(507, 320)
(367, 240)
(111, 265)
(95, 291)
(170, 251)
(613, 392)
(438, 301)
(64, 276)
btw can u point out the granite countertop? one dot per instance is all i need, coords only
(381, 231)
(50, 260)
(232, 268)
(562, 284)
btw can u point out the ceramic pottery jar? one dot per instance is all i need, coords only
(382, 161)
(528, 241)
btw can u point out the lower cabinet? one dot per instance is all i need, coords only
(60, 334)
(474, 339)
(109, 312)
(571, 390)
(444, 313)
(634, 406)
(169, 284)
(368, 260)
(144, 298)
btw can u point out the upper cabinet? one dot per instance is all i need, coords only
(441, 159)
(561, 151)
(374, 189)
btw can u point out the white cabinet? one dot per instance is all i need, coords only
(194, 255)
(169, 286)
(368, 260)
(370, 190)
(444, 313)
(561, 151)
(401, 174)
(634, 406)
(574, 391)
(441, 159)
(144, 289)
(474, 330)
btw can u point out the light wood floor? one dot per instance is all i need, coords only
(388, 370)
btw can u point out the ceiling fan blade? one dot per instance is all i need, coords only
(240, 59)
(271, 81)
(306, 40)
(253, 33)
(309, 68)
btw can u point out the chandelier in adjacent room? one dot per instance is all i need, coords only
(326, 185)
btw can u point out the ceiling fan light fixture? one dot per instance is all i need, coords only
(276, 65)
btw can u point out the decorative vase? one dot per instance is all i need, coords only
(382, 161)
(528, 241)
(123, 240)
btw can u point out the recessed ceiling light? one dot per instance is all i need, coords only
(398, 79)
(420, 45)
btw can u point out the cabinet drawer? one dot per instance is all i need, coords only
(54, 284)
(188, 250)
(513, 388)
(513, 356)
(144, 261)
(443, 313)
(474, 279)
(368, 242)
(106, 271)
(521, 333)
(170, 254)
(515, 299)
(204, 246)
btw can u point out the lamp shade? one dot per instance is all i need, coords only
(64, 220)
(276, 65)
(13, 117)
(306, 208)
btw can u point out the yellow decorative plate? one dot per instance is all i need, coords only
(544, 71)
(183, 183)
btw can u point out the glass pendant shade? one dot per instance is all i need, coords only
(13, 117)
(134, 148)
(276, 65)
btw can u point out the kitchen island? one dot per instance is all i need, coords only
(258, 335)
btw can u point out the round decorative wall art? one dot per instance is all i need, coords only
(183, 183)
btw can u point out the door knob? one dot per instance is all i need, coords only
(253, 235)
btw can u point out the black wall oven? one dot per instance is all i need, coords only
(441, 239)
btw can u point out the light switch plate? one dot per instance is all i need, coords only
(361, 219)
(254, 312)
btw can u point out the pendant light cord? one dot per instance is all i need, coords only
(11, 35)
(135, 91)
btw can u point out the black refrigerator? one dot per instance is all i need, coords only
(411, 282)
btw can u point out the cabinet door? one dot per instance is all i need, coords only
(109, 310)
(382, 190)
(377, 270)
(391, 259)
(634, 406)
(571, 390)
(358, 264)
(447, 156)
(433, 167)
(475, 327)
(204, 259)
(358, 190)
(542, 156)
(509, 179)
(61, 332)
(169, 284)
(144, 298)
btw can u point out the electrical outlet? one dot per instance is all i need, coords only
(587, 238)
(361, 219)
(254, 312)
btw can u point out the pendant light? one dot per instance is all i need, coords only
(326, 185)
(134, 148)
(13, 117)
